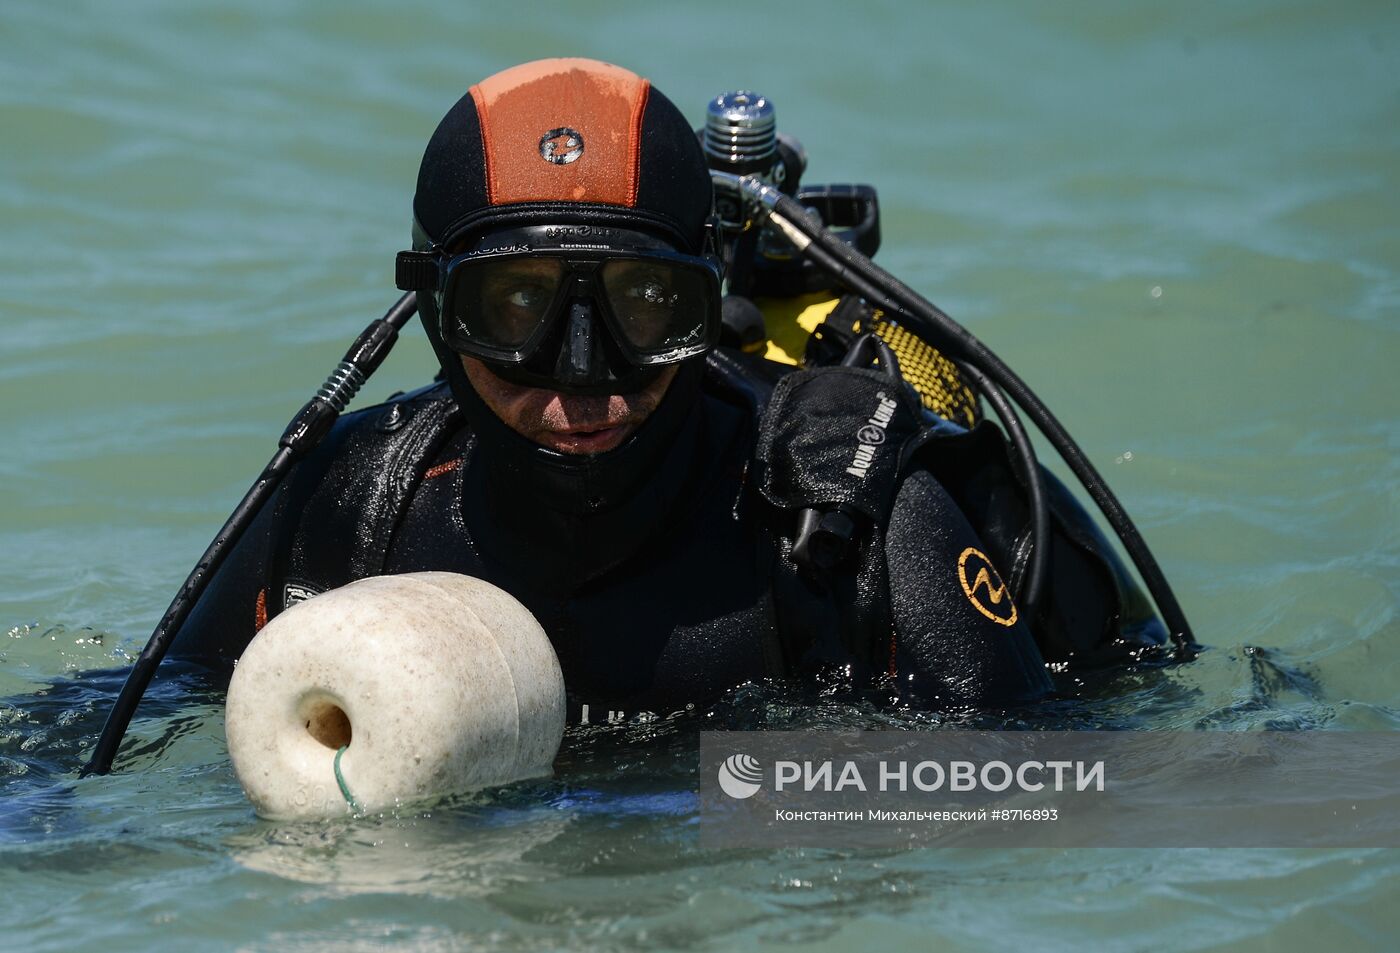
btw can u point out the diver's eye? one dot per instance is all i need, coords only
(526, 286)
(530, 297)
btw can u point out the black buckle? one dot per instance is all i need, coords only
(416, 271)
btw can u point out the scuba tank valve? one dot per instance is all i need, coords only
(741, 138)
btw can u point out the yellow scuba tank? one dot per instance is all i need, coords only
(792, 323)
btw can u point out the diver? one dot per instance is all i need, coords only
(681, 516)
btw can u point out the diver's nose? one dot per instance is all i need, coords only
(581, 359)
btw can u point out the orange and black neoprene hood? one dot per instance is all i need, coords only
(569, 141)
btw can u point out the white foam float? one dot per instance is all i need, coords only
(432, 683)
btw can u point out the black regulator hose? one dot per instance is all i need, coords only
(306, 430)
(1028, 593)
(928, 321)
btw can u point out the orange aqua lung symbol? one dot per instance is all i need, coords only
(982, 585)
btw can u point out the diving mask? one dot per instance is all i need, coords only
(582, 308)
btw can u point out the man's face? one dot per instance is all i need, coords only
(568, 423)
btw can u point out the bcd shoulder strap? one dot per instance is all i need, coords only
(829, 458)
(341, 506)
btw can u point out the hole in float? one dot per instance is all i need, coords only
(326, 722)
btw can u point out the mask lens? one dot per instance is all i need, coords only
(500, 304)
(659, 306)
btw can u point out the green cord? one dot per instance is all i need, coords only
(345, 788)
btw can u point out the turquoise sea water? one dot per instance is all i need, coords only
(1180, 223)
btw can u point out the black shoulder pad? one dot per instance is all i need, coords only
(743, 379)
(344, 502)
(1093, 613)
(834, 436)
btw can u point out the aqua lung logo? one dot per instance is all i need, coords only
(740, 776)
(561, 146)
(982, 585)
(870, 435)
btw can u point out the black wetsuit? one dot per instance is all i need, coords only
(683, 586)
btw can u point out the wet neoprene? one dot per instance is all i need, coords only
(703, 595)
